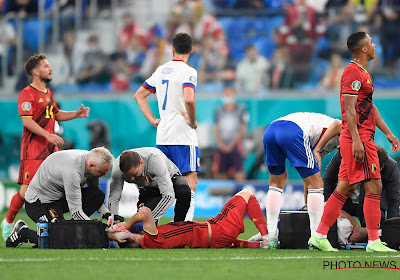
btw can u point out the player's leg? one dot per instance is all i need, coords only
(186, 158)
(373, 189)
(337, 199)
(314, 186)
(255, 212)
(27, 170)
(182, 196)
(191, 177)
(275, 160)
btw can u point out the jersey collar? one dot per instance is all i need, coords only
(177, 60)
(359, 66)
(45, 92)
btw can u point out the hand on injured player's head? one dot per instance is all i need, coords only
(112, 235)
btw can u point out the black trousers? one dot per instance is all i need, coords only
(151, 197)
(92, 199)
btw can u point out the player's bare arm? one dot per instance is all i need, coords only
(350, 103)
(143, 215)
(82, 112)
(32, 126)
(380, 123)
(141, 99)
(334, 129)
(190, 105)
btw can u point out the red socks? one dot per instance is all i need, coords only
(256, 215)
(372, 214)
(15, 206)
(331, 212)
(239, 243)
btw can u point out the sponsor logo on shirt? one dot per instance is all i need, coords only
(26, 106)
(368, 81)
(356, 85)
(41, 100)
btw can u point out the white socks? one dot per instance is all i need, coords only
(315, 206)
(190, 212)
(273, 209)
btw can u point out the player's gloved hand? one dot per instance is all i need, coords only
(116, 217)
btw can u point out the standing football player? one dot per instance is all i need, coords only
(302, 138)
(360, 162)
(175, 84)
(38, 111)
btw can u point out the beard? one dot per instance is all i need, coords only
(45, 80)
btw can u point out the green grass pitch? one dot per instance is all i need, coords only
(26, 263)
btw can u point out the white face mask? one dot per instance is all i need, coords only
(228, 100)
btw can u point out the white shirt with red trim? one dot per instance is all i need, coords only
(168, 82)
(314, 125)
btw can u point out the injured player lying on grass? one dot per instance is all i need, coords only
(218, 232)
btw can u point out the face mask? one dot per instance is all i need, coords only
(228, 100)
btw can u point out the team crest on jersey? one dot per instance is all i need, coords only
(356, 85)
(26, 106)
(41, 100)
(192, 79)
(373, 167)
(27, 175)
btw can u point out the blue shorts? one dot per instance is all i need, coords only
(285, 139)
(185, 157)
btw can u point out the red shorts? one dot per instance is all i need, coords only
(228, 224)
(27, 169)
(354, 171)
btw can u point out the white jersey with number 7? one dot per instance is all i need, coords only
(168, 82)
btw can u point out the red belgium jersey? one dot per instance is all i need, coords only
(42, 108)
(357, 82)
(177, 235)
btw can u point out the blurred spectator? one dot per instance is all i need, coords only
(299, 32)
(196, 57)
(131, 29)
(280, 76)
(333, 7)
(95, 64)
(99, 134)
(339, 28)
(363, 9)
(120, 74)
(251, 75)
(230, 125)
(24, 7)
(212, 62)
(389, 14)
(249, 4)
(332, 76)
(7, 39)
(204, 24)
(135, 55)
(159, 52)
(69, 41)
